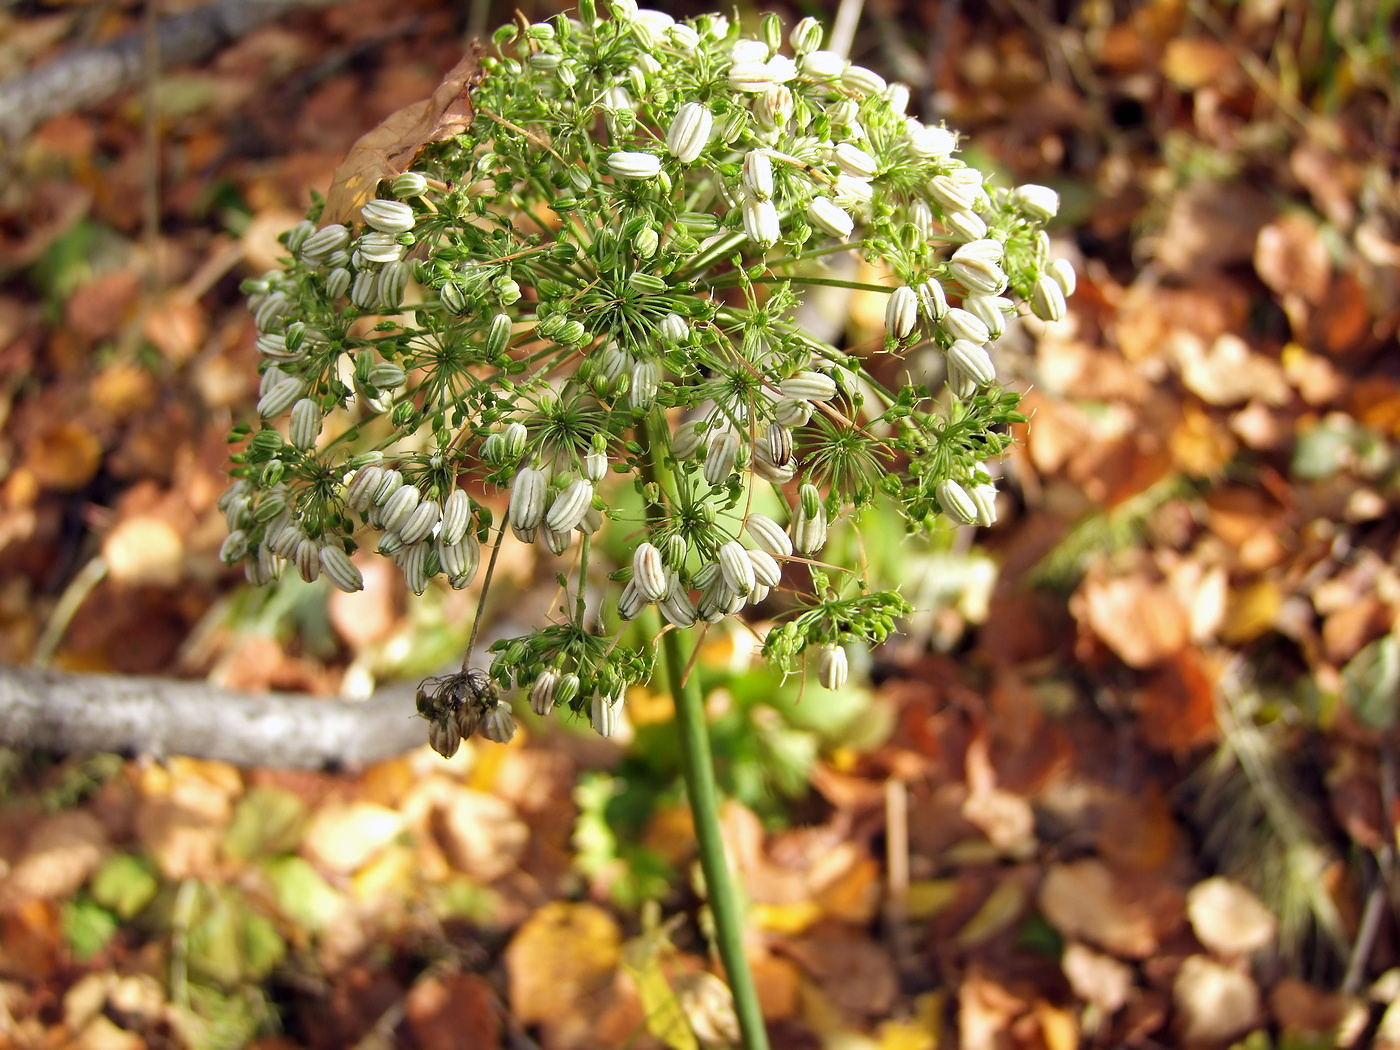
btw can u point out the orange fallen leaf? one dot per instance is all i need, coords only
(561, 958)
(1291, 258)
(1141, 621)
(1194, 62)
(1176, 707)
(64, 457)
(389, 149)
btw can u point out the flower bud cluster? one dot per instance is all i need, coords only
(597, 284)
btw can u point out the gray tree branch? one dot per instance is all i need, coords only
(83, 77)
(55, 711)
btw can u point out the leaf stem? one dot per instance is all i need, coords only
(697, 767)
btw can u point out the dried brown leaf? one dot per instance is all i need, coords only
(1123, 913)
(454, 1010)
(392, 147)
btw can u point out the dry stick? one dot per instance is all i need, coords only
(54, 711)
(843, 29)
(90, 75)
(897, 880)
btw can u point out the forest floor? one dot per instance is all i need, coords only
(1129, 778)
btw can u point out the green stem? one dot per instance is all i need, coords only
(698, 769)
(828, 282)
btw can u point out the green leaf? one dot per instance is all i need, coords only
(1371, 683)
(229, 942)
(124, 884)
(266, 821)
(302, 894)
(87, 927)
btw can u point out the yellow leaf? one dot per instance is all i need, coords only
(786, 918)
(647, 707)
(1251, 612)
(999, 911)
(928, 897)
(641, 958)
(920, 1032)
(390, 875)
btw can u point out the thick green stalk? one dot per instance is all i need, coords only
(699, 771)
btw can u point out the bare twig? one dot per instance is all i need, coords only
(78, 712)
(83, 77)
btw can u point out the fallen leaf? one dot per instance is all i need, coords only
(708, 1006)
(123, 390)
(1314, 377)
(1097, 978)
(561, 958)
(778, 982)
(97, 309)
(1229, 918)
(1141, 621)
(1215, 1002)
(856, 974)
(665, 1018)
(1137, 829)
(65, 456)
(1303, 1010)
(62, 851)
(1003, 906)
(1005, 818)
(986, 1010)
(176, 327)
(1194, 62)
(453, 1010)
(482, 834)
(1229, 373)
(1200, 446)
(1291, 258)
(368, 615)
(1211, 224)
(144, 551)
(343, 837)
(392, 147)
(1176, 706)
(1088, 900)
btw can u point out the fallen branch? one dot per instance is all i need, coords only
(83, 77)
(55, 711)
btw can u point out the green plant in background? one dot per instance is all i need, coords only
(593, 288)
